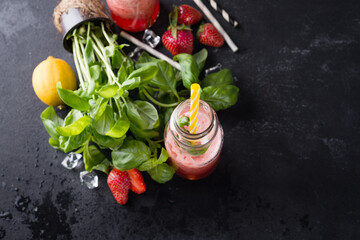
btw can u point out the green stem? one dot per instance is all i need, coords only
(80, 59)
(118, 106)
(157, 102)
(105, 34)
(85, 61)
(100, 53)
(79, 73)
(88, 31)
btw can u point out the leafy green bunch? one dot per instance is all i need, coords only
(123, 106)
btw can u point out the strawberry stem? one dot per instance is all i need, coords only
(173, 16)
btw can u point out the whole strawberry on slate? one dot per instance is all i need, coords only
(178, 39)
(209, 35)
(188, 15)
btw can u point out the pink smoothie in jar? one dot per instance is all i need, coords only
(194, 156)
(134, 15)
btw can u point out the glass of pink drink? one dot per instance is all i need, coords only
(134, 15)
(194, 156)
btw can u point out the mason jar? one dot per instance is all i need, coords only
(194, 156)
(134, 15)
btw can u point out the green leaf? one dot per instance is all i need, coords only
(130, 155)
(98, 109)
(71, 99)
(75, 128)
(167, 114)
(72, 116)
(144, 59)
(149, 164)
(129, 66)
(109, 50)
(95, 73)
(94, 159)
(104, 123)
(143, 134)
(51, 121)
(161, 173)
(164, 155)
(218, 79)
(143, 114)
(108, 91)
(89, 51)
(131, 83)
(54, 143)
(68, 144)
(146, 73)
(153, 162)
(184, 121)
(116, 59)
(200, 58)
(189, 69)
(120, 128)
(107, 142)
(122, 74)
(165, 78)
(220, 98)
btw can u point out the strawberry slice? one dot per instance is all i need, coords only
(137, 181)
(119, 184)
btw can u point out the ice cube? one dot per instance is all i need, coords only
(213, 69)
(134, 55)
(151, 38)
(90, 179)
(72, 160)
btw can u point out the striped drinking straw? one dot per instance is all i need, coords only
(194, 107)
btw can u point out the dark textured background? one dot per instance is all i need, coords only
(290, 167)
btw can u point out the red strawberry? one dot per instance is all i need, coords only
(178, 40)
(137, 181)
(119, 184)
(188, 15)
(209, 35)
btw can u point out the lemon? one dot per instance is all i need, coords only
(45, 77)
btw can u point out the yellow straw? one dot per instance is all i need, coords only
(194, 106)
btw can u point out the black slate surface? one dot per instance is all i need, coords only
(290, 167)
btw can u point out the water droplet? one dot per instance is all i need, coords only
(21, 203)
(6, 215)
